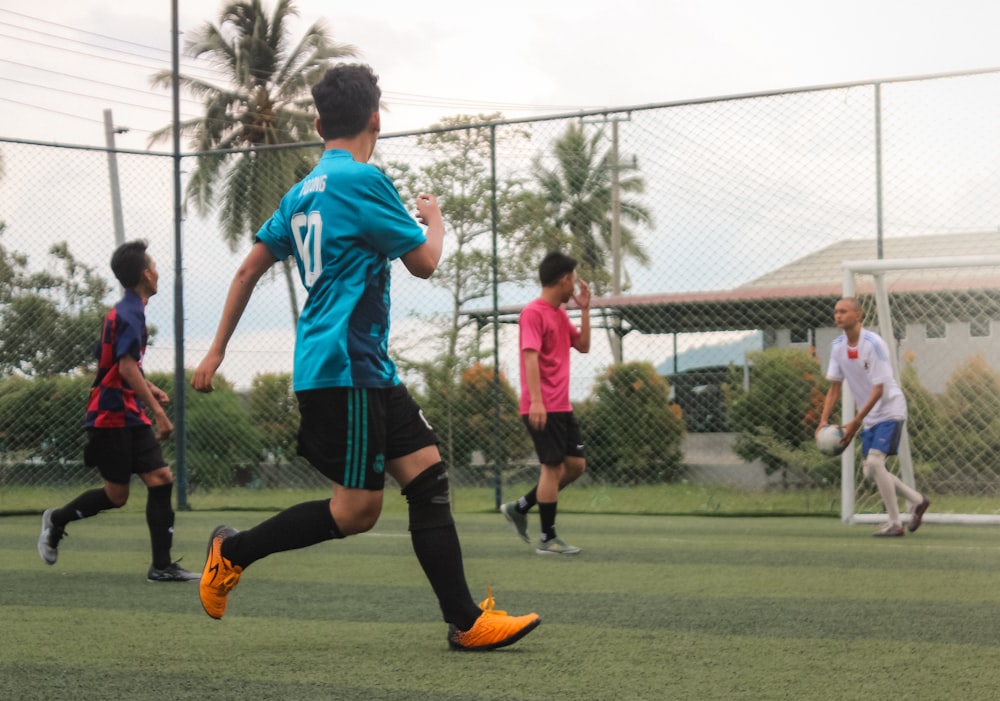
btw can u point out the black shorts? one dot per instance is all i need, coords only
(560, 438)
(348, 433)
(118, 453)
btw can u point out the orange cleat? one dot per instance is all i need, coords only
(493, 628)
(219, 576)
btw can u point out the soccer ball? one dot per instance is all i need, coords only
(828, 440)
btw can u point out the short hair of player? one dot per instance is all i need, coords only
(854, 302)
(129, 261)
(345, 97)
(553, 266)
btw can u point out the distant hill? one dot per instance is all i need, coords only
(709, 355)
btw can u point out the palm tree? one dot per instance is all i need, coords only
(577, 200)
(266, 102)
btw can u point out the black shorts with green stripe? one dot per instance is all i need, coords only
(349, 433)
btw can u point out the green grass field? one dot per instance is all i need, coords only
(656, 607)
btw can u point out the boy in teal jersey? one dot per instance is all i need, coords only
(344, 223)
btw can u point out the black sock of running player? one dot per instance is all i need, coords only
(160, 519)
(440, 555)
(547, 512)
(435, 543)
(86, 505)
(296, 527)
(525, 503)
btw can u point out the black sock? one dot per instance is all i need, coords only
(296, 527)
(160, 519)
(435, 543)
(525, 503)
(440, 555)
(84, 506)
(547, 512)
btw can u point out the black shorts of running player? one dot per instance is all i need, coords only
(560, 438)
(118, 453)
(348, 433)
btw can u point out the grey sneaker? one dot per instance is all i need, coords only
(171, 573)
(556, 547)
(518, 520)
(48, 539)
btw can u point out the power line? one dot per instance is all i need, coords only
(117, 86)
(207, 69)
(122, 57)
(59, 112)
(77, 29)
(83, 95)
(430, 101)
(402, 98)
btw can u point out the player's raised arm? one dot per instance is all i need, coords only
(257, 262)
(423, 260)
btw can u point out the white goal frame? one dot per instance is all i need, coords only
(877, 269)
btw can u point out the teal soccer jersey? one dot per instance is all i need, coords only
(344, 224)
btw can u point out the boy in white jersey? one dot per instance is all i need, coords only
(861, 357)
(344, 224)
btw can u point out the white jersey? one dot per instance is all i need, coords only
(864, 368)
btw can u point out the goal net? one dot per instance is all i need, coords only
(941, 316)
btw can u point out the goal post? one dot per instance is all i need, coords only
(851, 511)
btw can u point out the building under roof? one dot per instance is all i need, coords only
(801, 295)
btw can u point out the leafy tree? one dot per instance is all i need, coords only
(776, 418)
(220, 436)
(461, 177)
(266, 102)
(573, 205)
(51, 318)
(631, 431)
(971, 422)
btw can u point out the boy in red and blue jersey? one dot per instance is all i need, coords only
(120, 438)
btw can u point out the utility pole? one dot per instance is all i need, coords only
(116, 193)
(617, 355)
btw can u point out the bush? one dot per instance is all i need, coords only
(633, 434)
(43, 417)
(968, 440)
(776, 417)
(220, 437)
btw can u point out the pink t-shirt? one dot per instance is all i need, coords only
(548, 330)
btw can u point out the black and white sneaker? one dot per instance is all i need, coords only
(171, 573)
(48, 539)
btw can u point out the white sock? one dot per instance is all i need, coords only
(874, 468)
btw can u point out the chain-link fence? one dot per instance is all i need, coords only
(713, 234)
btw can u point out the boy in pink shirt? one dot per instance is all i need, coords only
(546, 338)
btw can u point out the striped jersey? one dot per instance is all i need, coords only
(344, 224)
(113, 403)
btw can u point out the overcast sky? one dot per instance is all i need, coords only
(63, 62)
